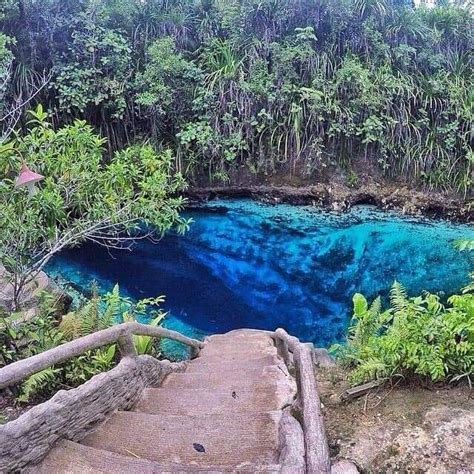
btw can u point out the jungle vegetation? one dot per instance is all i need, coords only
(424, 338)
(207, 90)
(415, 338)
(262, 87)
(43, 332)
(133, 195)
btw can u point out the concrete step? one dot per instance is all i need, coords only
(245, 333)
(224, 349)
(228, 439)
(215, 364)
(73, 458)
(206, 402)
(258, 378)
(221, 356)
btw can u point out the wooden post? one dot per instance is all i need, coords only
(126, 346)
(282, 347)
(317, 449)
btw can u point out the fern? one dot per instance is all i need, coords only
(98, 313)
(417, 337)
(71, 326)
(369, 370)
(37, 383)
(89, 316)
(398, 296)
(464, 245)
(375, 308)
(112, 310)
(104, 357)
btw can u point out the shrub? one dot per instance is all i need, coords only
(415, 338)
(20, 339)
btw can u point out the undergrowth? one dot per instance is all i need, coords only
(416, 337)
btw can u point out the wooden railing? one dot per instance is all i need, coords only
(120, 334)
(132, 376)
(299, 356)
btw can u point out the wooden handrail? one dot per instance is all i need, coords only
(316, 444)
(120, 333)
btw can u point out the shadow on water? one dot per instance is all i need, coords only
(247, 264)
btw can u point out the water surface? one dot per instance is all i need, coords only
(248, 264)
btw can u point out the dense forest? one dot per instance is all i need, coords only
(294, 87)
(122, 120)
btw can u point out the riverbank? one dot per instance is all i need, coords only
(404, 427)
(341, 198)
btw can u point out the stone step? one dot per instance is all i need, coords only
(227, 439)
(204, 401)
(234, 355)
(223, 356)
(257, 336)
(226, 366)
(74, 458)
(258, 378)
(246, 332)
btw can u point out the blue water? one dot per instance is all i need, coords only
(247, 264)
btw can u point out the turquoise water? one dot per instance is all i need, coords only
(248, 264)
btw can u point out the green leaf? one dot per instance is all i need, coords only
(360, 305)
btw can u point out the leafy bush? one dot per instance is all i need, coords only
(277, 86)
(21, 339)
(415, 338)
(83, 196)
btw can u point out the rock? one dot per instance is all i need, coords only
(63, 299)
(32, 292)
(334, 399)
(436, 440)
(340, 198)
(322, 358)
(344, 466)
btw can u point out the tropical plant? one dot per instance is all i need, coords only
(102, 311)
(268, 87)
(81, 198)
(22, 338)
(416, 337)
(45, 380)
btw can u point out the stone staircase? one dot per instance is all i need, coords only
(224, 413)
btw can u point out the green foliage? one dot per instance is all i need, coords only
(100, 312)
(166, 85)
(83, 197)
(416, 337)
(272, 86)
(21, 339)
(146, 344)
(93, 72)
(6, 59)
(94, 315)
(39, 382)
